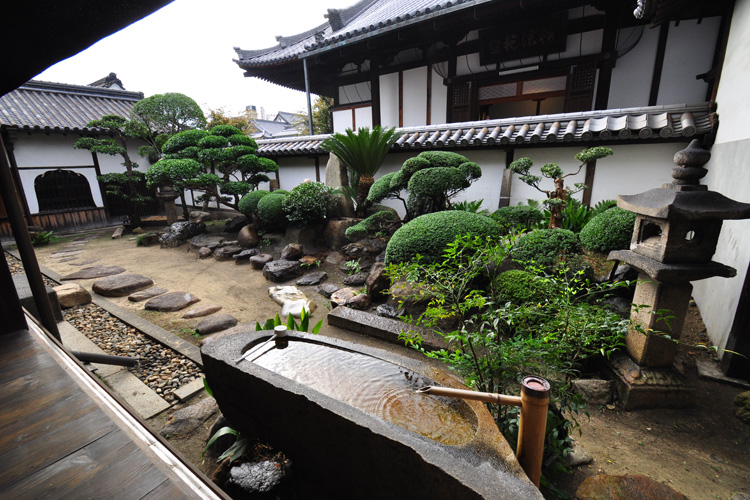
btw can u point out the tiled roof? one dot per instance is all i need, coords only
(272, 128)
(56, 106)
(628, 125)
(361, 20)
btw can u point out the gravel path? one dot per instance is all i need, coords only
(161, 368)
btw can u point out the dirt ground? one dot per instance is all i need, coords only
(702, 452)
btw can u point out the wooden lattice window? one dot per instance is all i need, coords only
(62, 190)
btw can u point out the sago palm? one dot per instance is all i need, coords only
(363, 152)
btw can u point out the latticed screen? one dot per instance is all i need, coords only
(62, 190)
(544, 85)
(497, 91)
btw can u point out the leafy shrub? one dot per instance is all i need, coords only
(519, 217)
(473, 206)
(187, 138)
(610, 230)
(546, 247)
(307, 203)
(271, 211)
(429, 234)
(213, 141)
(373, 224)
(248, 205)
(41, 238)
(521, 287)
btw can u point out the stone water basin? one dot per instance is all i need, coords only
(349, 418)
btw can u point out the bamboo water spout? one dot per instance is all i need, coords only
(534, 403)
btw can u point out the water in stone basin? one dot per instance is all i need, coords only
(380, 388)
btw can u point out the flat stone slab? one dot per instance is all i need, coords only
(121, 285)
(281, 270)
(313, 278)
(146, 294)
(94, 272)
(171, 302)
(85, 262)
(66, 253)
(207, 241)
(189, 390)
(188, 419)
(138, 395)
(199, 312)
(383, 328)
(216, 323)
(327, 289)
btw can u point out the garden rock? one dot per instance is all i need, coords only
(335, 258)
(248, 237)
(327, 289)
(252, 479)
(259, 261)
(222, 443)
(148, 239)
(356, 279)
(94, 272)
(216, 323)
(577, 456)
(373, 246)
(342, 296)
(199, 216)
(361, 301)
(742, 406)
(210, 241)
(118, 233)
(170, 302)
(121, 285)
(281, 270)
(71, 295)
(354, 250)
(282, 294)
(186, 420)
(628, 487)
(294, 307)
(234, 225)
(180, 232)
(205, 252)
(624, 272)
(227, 253)
(377, 281)
(618, 305)
(389, 311)
(313, 278)
(147, 294)
(594, 391)
(292, 251)
(244, 256)
(199, 312)
(335, 232)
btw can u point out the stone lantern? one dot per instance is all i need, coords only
(676, 231)
(166, 195)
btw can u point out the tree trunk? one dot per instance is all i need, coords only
(365, 182)
(556, 209)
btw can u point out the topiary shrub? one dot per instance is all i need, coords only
(521, 287)
(429, 234)
(546, 247)
(307, 203)
(610, 230)
(271, 212)
(519, 217)
(248, 205)
(374, 223)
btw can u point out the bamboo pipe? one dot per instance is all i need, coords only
(534, 403)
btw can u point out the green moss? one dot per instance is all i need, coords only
(429, 234)
(520, 287)
(610, 230)
(370, 225)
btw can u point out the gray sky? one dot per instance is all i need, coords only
(187, 47)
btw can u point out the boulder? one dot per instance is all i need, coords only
(353, 250)
(234, 225)
(215, 323)
(377, 281)
(244, 256)
(312, 278)
(309, 261)
(628, 487)
(335, 258)
(356, 279)
(594, 391)
(199, 312)
(389, 311)
(147, 294)
(205, 252)
(373, 246)
(118, 233)
(742, 406)
(148, 239)
(327, 289)
(292, 251)
(254, 479)
(343, 295)
(121, 285)
(335, 232)
(361, 301)
(281, 294)
(577, 456)
(170, 302)
(227, 253)
(210, 241)
(71, 295)
(281, 270)
(186, 420)
(259, 261)
(294, 307)
(199, 216)
(248, 237)
(94, 272)
(180, 232)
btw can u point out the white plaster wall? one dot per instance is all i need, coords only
(342, 120)
(389, 100)
(415, 97)
(689, 52)
(438, 108)
(39, 150)
(631, 77)
(108, 164)
(363, 117)
(728, 173)
(292, 171)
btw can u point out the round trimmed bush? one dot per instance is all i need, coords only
(429, 234)
(517, 217)
(546, 246)
(248, 205)
(610, 230)
(307, 203)
(271, 212)
(435, 182)
(521, 287)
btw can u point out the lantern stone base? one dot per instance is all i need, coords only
(643, 387)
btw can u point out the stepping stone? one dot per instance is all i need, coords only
(205, 252)
(216, 323)
(69, 259)
(148, 293)
(209, 241)
(293, 251)
(259, 261)
(171, 302)
(628, 487)
(94, 272)
(226, 253)
(85, 262)
(357, 279)
(202, 311)
(327, 289)
(281, 270)
(313, 278)
(245, 255)
(66, 253)
(121, 285)
(71, 295)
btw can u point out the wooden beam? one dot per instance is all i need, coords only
(589, 182)
(400, 99)
(609, 56)
(661, 49)
(375, 93)
(429, 95)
